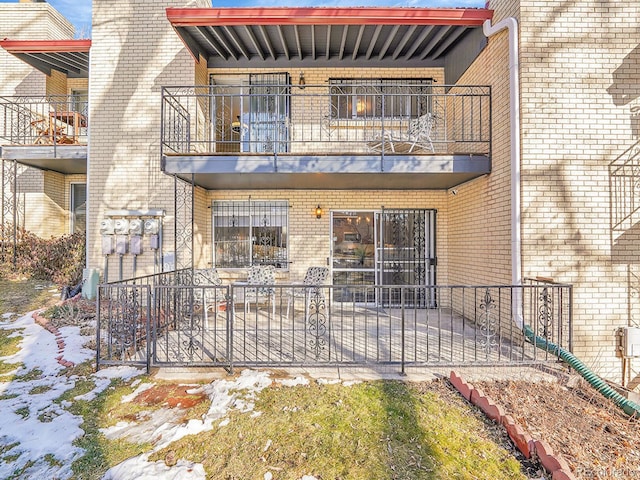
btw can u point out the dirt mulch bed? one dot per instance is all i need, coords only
(593, 435)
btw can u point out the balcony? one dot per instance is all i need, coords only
(278, 136)
(46, 132)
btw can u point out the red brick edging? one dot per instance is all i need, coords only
(552, 463)
(44, 322)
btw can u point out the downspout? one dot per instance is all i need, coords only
(511, 25)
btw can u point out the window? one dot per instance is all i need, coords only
(379, 98)
(78, 207)
(79, 101)
(250, 232)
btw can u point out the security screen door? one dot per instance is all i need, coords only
(269, 112)
(386, 247)
(250, 113)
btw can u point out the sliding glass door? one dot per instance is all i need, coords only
(386, 247)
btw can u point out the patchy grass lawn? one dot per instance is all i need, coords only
(371, 430)
(22, 296)
(374, 430)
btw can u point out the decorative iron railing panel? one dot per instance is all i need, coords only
(192, 326)
(44, 120)
(323, 119)
(124, 324)
(10, 210)
(254, 325)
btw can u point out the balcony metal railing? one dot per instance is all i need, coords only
(326, 119)
(624, 178)
(43, 120)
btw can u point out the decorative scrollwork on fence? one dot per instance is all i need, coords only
(487, 323)
(545, 313)
(183, 192)
(127, 326)
(317, 322)
(190, 325)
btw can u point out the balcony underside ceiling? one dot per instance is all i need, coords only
(325, 37)
(394, 172)
(65, 159)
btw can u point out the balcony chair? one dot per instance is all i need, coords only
(417, 136)
(309, 289)
(211, 299)
(256, 276)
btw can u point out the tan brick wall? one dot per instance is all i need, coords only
(77, 84)
(41, 202)
(580, 87)
(57, 83)
(479, 229)
(134, 53)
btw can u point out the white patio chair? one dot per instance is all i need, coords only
(417, 135)
(309, 288)
(256, 276)
(210, 298)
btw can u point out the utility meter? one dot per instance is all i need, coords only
(151, 226)
(106, 227)
(135, 226)
(121, 226)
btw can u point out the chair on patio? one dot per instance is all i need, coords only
(417, 136)
(309, 289)
(212, 299)
(256, 276)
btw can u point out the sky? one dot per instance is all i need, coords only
(37, 433)
(78, 12)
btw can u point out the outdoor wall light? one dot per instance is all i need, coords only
(318, 212)
(301, 82)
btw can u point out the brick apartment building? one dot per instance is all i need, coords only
(294, 136)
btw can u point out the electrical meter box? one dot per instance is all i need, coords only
(121, 245)
(629, 341)
(107, 244)
(154, 242)
(135, 244)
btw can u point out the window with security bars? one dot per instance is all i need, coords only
(379, 98)
(250, 232)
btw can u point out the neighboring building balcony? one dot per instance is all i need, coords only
(47, 132)
(420, 135)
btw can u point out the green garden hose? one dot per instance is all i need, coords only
(629, 407)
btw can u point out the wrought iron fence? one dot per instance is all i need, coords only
(624, 179)
(44, 120)
(179, 323)
(320, 119)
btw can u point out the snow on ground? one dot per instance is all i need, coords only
(32, 426)
(37, 434)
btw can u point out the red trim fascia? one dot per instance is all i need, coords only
(194, 17)
(45, 46)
